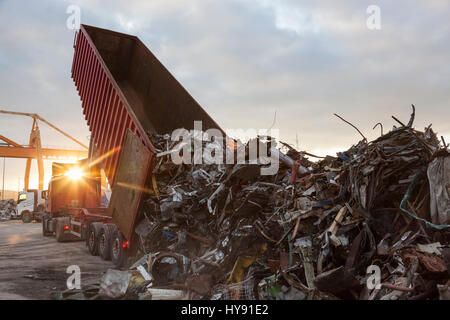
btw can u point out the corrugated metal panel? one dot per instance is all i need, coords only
(105, 108)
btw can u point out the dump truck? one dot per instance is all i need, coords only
(127, 95)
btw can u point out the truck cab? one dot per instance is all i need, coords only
(31, 205)
(73, 191)
(73, 185)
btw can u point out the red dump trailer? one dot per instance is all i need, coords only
(126, 95)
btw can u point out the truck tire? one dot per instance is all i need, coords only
(27, 216)
(84, 230)
(45, 231)
(92, 237)
(105, 240)
(118, 252)
(60, 223)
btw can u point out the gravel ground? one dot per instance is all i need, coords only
(33, 266)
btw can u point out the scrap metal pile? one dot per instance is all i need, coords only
(371, 223)
(7, 209)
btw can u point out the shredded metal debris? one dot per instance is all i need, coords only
(371, 223)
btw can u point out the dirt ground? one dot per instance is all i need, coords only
(33, 266)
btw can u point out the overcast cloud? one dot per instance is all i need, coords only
(243, 61)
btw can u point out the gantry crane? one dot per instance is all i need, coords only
(35, 151)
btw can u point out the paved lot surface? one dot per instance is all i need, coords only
(33, 266)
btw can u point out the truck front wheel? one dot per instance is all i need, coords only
(27, 217)
(45, 231)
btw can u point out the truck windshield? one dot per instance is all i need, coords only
(22, 197)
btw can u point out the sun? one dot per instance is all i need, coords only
(74, 173)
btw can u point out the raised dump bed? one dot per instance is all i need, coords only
(127, 93)
(122, 85)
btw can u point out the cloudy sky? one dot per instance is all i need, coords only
(243, 61)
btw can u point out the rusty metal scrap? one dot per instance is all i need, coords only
(314, 230)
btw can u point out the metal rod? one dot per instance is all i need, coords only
(350, 125)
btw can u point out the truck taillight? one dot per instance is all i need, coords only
(125, 244)
(66, 227)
